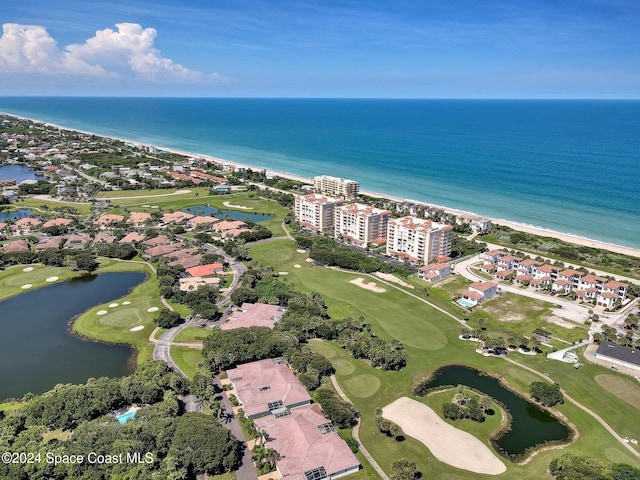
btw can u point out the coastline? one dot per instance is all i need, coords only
(532, 229)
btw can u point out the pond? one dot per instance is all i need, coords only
(530, 425)
(18, 173)
(233, 214)
(21, 213)
(37, 350)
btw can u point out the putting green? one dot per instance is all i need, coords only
(621, 387)
(125, 317)
(343, 367)
(362, 386)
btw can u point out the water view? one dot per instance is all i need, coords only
(37, 351)
(530, 424)
(232, 214)
(21, 213)
(19, 173)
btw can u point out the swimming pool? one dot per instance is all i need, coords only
(125, 417)
(465, 303)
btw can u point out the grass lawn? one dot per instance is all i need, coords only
(44, 206)
(124, 194)
(14, 277)
(8, 406)
(187, 359)
(621, 387)
(116, 325)
(192, 335)
(199, 196)
(430, 338)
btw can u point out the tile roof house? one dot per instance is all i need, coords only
(161, 250)
(46, 243)
(434, 271)
(254, 315)
(77, 240)
(23, 226)
(57, 222)
(103, 237)
(16, 246)
(176, 217)
(201, 220)
(480, 291)
(228, 225)
(133, 237)
(205, 270)
(190, 284)
(308, 446)
(139, 219)
(107, 219)
(157, 241)
(267, 385)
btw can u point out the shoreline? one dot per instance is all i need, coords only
(523, 227)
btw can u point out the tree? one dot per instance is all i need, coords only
(202, 445)
(546, 393)
(403, 469)
(167, 319)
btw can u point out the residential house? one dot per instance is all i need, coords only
(492, 256)
(77, 240)
(16, 246)
(480, 291)
(307, 445)
(434, 272)
(139, 219)
(157, 241)
(57, 222)
(107, 219)
(133, 237)
(611, 293)
(266, 386)
(201, 220)
(23, 226)
(254, 315)
(205, 270)
(47, 243)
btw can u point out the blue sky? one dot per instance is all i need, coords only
(281, 48)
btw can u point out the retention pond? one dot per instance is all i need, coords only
(531, 426)
(37, 350)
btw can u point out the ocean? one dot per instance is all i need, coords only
(567, 165)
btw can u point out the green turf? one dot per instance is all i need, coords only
(621, 387)
(430, 338)
(187, 359)
(13, 278)
(192, 335)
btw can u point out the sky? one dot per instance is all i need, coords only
(323, 48)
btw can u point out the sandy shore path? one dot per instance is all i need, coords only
(447, 443)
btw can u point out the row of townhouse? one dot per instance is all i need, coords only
(415, 239)
(584, 286)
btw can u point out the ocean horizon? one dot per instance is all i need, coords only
(563, 165)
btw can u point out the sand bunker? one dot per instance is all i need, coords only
(152, 309)
(283, 273)
(297, 266)
(126, 303)
(51, 279)
(113, 305)
(180, 192)
(101, 312)
(373, 286)
(231, 205)
(443, 440)
(300, 250)
(155, 206)
(393, 279)
(27, 269)
(309, 260)
(136, 329)
(27, 285)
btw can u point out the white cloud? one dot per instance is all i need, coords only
(127, 51)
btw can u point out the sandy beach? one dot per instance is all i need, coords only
(535, 230)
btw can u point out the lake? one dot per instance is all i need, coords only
(21, 213)
(530, 424)
(233, 214)
(18, 173)
(37, 350)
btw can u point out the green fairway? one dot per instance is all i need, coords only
(51, 206)
(187, 359)
(14, 278)
(621, 387)
(430, 338)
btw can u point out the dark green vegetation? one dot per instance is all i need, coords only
(564, 251)
(74, 420)
(466, 404)
(546, 393)
(167, 318)
(80, 260)
(578, 467)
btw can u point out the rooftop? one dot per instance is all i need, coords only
(625, 354)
